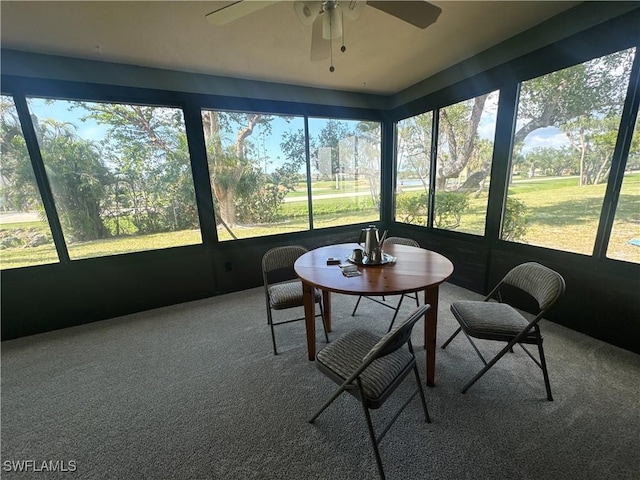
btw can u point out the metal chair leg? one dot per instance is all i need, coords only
(545, 373)
(427, 418)
(395, 314)
(473, 344)
(486, 368)
(374, 442)
(444, 345)
(324, 323)
(273, 333)
(335, 395)
(356, 307)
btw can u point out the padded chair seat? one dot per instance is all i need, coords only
(490, 320)
(287, 295)
(370, 368)
(344, 356)
(277, 265)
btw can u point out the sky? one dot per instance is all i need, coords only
(269, 145)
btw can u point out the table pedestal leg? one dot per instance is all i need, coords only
(430, 324)
(308, 294)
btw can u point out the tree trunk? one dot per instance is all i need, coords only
(226, 204)
(603, 171)
(460, 152)
(547, 118)
(580, 145)
(226, 192)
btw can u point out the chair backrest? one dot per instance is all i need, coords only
(397, 337)
(281, 257)
(542, 283)
(410, 242)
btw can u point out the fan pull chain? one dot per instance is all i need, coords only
(331, 67)
(343, 48)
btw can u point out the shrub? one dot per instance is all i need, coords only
(514, 225)
(412, 208)
(448, 209)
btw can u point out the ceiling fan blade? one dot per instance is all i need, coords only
(353, 8)
(320, 47)
(235, 10)
(419, 14)
(307, 11)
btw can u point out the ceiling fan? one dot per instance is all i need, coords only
(326, 17)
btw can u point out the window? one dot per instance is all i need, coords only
(464, 155)
(463, 165)
(120, 175)
(25, 235)
(345, 165)
(566, 128)
(413, 166)
(258, 171)
(624, 242)
(257, 167)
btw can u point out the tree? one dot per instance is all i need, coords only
(329, 138)
(584, 89)
(268, 191)
(459, 125)
(77, 176)
(553, 161)
(585, 102)
(478, 168)
(594, 140)
(414, 147)
(262, 193)
(147, 150)
(227, 165)
(18, 190)
(562, 99)
(633, 161)
(74, 169)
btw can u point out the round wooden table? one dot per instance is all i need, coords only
(415, 269)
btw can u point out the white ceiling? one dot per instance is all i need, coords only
(384, 55)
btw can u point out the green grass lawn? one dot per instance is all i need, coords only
(329, 187)
(566, 217)
(562, 215)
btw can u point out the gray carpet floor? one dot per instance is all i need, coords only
(193, 391)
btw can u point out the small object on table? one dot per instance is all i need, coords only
(366, 261)
(333, 261)
(349, 270)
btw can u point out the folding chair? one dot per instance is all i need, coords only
(370, 368)
(501, 322)
(277, 264)
(393, 241)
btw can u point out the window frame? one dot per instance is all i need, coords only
(507, 80)
(20, 88)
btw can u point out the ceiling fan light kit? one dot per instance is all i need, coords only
(332, 23)
(325, 18)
